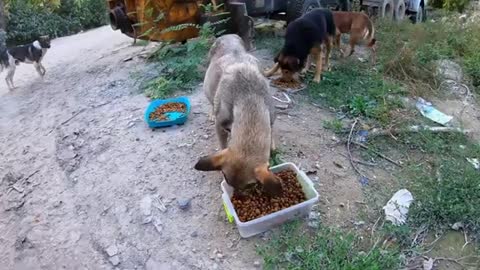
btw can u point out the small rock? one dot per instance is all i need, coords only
(115, 260)
(449, 70)
(184, 204)
(146, 205)
(157, 223)
(57, 204)
(112, 250)
(194, 234)
(131, 124)
(313, 224)
(342, 205)
(147, 219)
(457, 226)
(314, 215)
(205, 136)
(256, 263)
(359, 223)
(220, 255)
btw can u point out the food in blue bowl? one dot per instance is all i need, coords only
(168, 112)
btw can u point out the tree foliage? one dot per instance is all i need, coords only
(28, 19)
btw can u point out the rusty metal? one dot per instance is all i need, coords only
(147, 19)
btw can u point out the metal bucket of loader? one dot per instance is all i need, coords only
(157, 20)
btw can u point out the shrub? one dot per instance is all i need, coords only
(28, 20)
(455, 5)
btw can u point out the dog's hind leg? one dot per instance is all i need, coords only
(328, 47)
(272, 71)
(222, 134)
(356, 35)
(42, 68)
(38, 68)
(9, 78)
(319, 60)
(374, 54)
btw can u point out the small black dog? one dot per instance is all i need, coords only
(305, 36)
(32, 53)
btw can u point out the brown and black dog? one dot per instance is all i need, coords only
(305, 36)
(244, 109)
(359, 26)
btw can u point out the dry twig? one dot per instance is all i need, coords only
(378, 154)
(350, 158)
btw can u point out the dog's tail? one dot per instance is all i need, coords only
(371, 34)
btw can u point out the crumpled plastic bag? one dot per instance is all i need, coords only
(396, 209)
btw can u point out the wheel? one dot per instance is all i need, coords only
(386, 9)
(345, 5)
(399, 10)
(420, 15)
(296, 8)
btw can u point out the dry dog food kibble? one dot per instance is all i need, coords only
(159, 113)
(254, 203)
(284, 84)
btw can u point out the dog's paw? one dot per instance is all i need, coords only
(317, 79)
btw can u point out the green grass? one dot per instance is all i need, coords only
(445, 185)
(407, 52)
(181, 65)
(325, 249)
(275, 157)
(355, 89)
(334, 125)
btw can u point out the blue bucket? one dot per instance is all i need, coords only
(173, 118)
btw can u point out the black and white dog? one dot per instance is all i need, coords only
(32, 53)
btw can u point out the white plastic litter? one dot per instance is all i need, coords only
(475, 162)
(396, 209)
(426, 109)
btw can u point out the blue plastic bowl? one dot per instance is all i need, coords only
(173, 118)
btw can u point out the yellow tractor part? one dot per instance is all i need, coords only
(152, 19)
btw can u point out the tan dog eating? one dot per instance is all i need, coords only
(243, 108)
(360, 28)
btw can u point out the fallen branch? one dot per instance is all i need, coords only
(359, 161)
(457, 261)
(288, 100)
(381, 132)
(378, 154)
(350, 158)
(413, 129)
(66, 121)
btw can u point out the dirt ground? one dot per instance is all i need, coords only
(101, 190)
(85, 184)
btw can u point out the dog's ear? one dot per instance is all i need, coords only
(271, 183)
(213, 162)
(294, 64)
(278, 57)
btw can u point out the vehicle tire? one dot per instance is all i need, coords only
(399, 10)
(386, 9)
(420, 15)
(345, 5)
(297, 8)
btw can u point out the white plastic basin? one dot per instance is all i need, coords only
(265, 223)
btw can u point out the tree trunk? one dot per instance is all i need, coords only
(241, 23)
